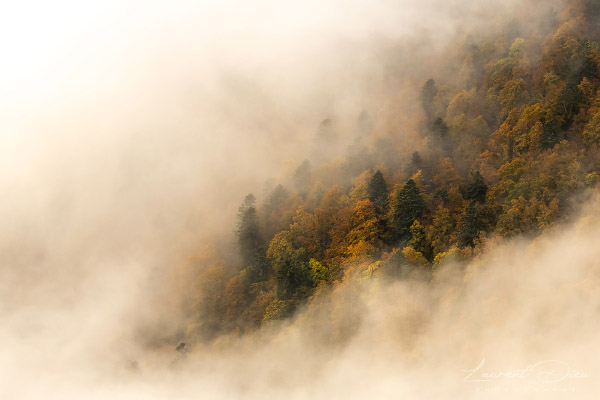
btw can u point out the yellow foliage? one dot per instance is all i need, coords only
(371, 271)
(460, 104)
(418, 178)
(447, 175)
(450, 255)
(591, 132)
(413, 256)
(305, 231)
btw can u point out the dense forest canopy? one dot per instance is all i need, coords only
(503, 140)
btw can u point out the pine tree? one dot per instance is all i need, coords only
(551, 134)
(475, 189)
(428, 93)
(438, 132)
(302, 178)
(470, 226)
(409, 205)
(439, 129)
(378, 192)
(249, 239)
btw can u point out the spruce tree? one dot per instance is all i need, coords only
(551, 134)
(428, 93)
(302, 178)
(475, 189)
(378, 192)
(409, 206)
(438, 133)
(249, 239)
(470, 226)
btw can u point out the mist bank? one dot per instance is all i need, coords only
(520, 318)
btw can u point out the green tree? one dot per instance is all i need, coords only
(470, 226)
(416, 163)
(259, 269)
(290, 265)
(438, 132)
(249, 238)
(428, 93)
(378, 192)
(318, 272)
(419, 240)
(475, 189)
(409, 205)
(305, 232)
(302, 177)
(551, 134)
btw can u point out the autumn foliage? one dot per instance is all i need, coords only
(506, 151)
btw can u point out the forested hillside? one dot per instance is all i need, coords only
(508, 146)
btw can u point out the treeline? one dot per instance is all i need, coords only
(500, 153)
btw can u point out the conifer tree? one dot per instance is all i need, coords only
(428, 93)
(438, 132)
(302, 178)
(378, 192)
(409, 205)
(475, 189)
(416, 162)
(249, 239)
(470, 226)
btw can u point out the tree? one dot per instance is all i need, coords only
(441, 231)
(438, 132)
(305, 232)
(419, 241)
(567, 103)
(475, 189)
(428, 93)
(319, 272)
(409, 205)
(259, 269)
(276, 310)
(332, 202)
(277, 211)
(470, 226)
(416, 163)
(235, 298)
(439, 129)
(364, 238)
(513, 94)
(591, 132)
(447, 175)
(302, 178)
(378, 192)
(551, 134)
(250, 241)
(289, 264)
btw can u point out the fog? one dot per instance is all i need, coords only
(129, 134)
